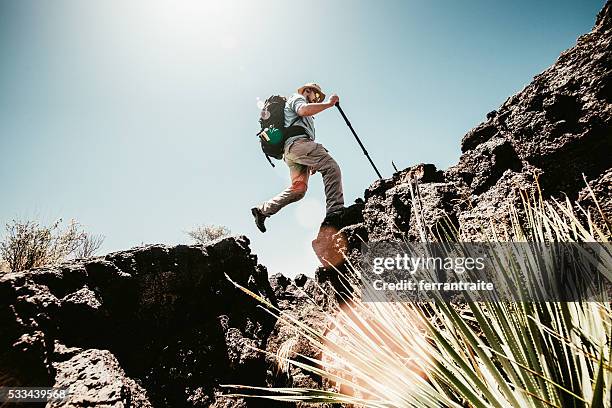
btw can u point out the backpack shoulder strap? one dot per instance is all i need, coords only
(268, 157)
(295, 120)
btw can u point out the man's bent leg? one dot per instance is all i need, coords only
(332, 178)
(299, 184)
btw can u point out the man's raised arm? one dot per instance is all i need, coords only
(310, 109)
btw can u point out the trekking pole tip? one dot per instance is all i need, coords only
(394, 166)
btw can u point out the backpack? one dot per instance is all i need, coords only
(273, 133)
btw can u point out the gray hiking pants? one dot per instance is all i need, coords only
(303, 156)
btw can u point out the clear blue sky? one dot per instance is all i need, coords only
(138, 118)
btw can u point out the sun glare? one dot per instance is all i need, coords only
(190, 23)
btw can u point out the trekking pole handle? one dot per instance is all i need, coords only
(337, 105)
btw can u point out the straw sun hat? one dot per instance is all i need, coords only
(319, 93)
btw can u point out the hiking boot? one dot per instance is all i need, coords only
(260, 218)
(334, 218)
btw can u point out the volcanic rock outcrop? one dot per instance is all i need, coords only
(556, 131)
(153, 326)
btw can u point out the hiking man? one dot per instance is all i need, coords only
(305, 157)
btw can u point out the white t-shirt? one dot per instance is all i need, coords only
(307, 122)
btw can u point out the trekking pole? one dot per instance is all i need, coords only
(358, 141)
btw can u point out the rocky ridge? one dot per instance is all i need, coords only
(154, 325)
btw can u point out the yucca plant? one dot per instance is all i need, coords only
(482, 353)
